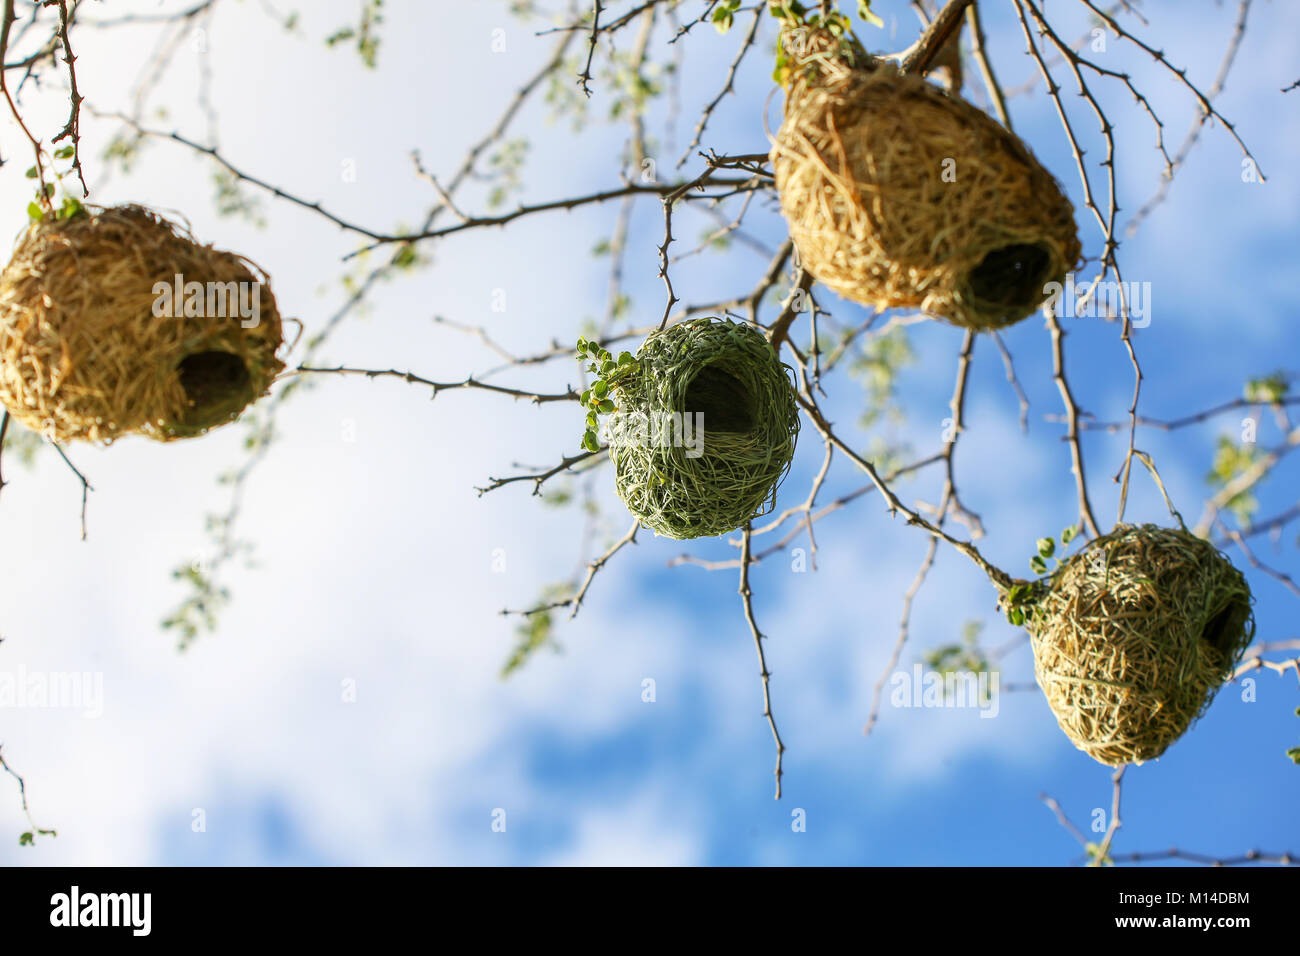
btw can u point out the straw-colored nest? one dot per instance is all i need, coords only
(898, 194)
(679, 480)
(1134, 636)
(92, 348)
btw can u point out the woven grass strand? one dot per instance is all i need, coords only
(84, 357)
(899, 195)
(728, 372)
(1134, 637)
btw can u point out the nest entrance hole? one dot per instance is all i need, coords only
(1223, 630)
(217, 385)
(1012, 276)
(726, 402)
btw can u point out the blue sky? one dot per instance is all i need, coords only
(374, 556)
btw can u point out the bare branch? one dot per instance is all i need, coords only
(747, 600)
(537, 398)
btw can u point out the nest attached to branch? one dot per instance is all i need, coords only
(687, 476)
(1135, 635)
(898, 194)
(92, 348)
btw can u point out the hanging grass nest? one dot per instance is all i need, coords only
(1133, 637)
(683, 481)
(116, 321)
(898, 194)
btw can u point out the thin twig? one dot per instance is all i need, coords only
(747, 599)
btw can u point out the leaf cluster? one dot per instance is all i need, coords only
(967, 656)
(40, 208)
(794, 15)
(609, 373)
(1020, 602)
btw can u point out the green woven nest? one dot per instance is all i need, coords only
(1135, 635)
(728, 372)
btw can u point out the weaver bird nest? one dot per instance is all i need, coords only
(1133, 637)
(704, 429)
(898, 194)
(116, 321)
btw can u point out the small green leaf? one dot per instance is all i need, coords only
(600, 388)
(864, 11)
(1038, 565)
(1271, 388)
(1046, 547)
(606, 406)
(31, 173)
(1068, 534)
(35, 212)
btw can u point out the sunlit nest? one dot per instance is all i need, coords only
(682, 481)
(898, 194)
(92, 348)
(1135, 635)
